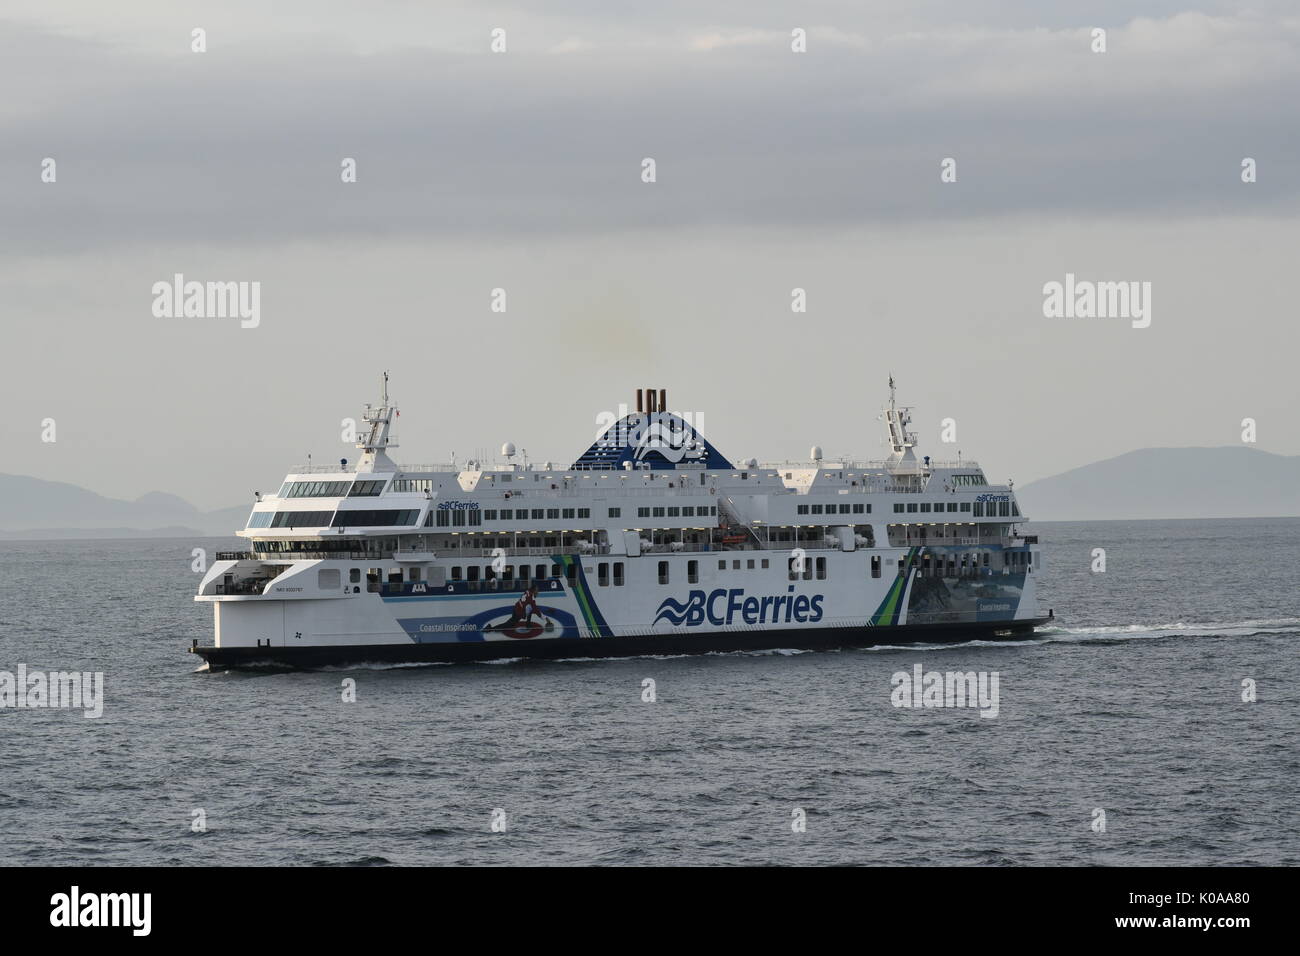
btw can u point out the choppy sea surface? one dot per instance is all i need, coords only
(1132, 704)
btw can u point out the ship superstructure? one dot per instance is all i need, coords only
(650, 542)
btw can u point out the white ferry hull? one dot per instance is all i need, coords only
(573, 615)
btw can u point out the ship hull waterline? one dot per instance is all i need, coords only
(828, 638)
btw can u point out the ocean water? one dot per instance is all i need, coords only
(1131, 704)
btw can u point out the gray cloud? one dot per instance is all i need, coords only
(238, 145)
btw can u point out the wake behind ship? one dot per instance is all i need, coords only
(651, 542)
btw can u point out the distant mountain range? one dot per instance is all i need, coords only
(34, 508)
(1231, 482)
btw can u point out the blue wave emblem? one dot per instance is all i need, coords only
(674, 612)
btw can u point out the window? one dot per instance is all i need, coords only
(816, 509)
(301, 519)
(366, 489)
(938, 506)
(489, 515)
(443, 518)
(858, 509)
(965, 506)
(898, 507)
(657, 512)
(722, 565)
(538, 514)
(372, 519)
(567, 513)
(765, 563)
(925, 506)
(552, 513)
(692, 572)
(952, 506)
(475, 516)
(507, 515)
(663, 572)
(456, 573)
(472, 572)
(911, 507)
(616, 512)
(354, 576)
(802, 509)
(458, 519)
(688, 511)
(412, 484)
(1004, 509)
(844, 509)
(821, 569)
(315, 489)
(618, 574)
(584, 512)
(674, 512)
(260, 519)
(643, 512)
(875, 565)
(1015, 510)
(524, 572)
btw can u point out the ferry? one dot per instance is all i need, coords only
(650, 542)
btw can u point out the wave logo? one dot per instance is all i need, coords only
(725, 606)
(671, 443)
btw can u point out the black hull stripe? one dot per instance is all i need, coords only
(794, 638)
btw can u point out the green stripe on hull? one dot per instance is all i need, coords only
(590, 615)
(887, 614)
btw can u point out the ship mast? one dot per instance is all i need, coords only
(375, 443)
(901, 440)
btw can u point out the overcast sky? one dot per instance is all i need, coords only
(522, 170)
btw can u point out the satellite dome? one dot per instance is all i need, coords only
(508, 449)
(816, 453)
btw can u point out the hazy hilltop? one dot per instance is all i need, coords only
(33, 507)
(1229, 482)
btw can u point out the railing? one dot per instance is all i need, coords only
(334, 469)
(521, 552)
(913, 541)
(242, 587)
(316, 555)
(540, 491)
